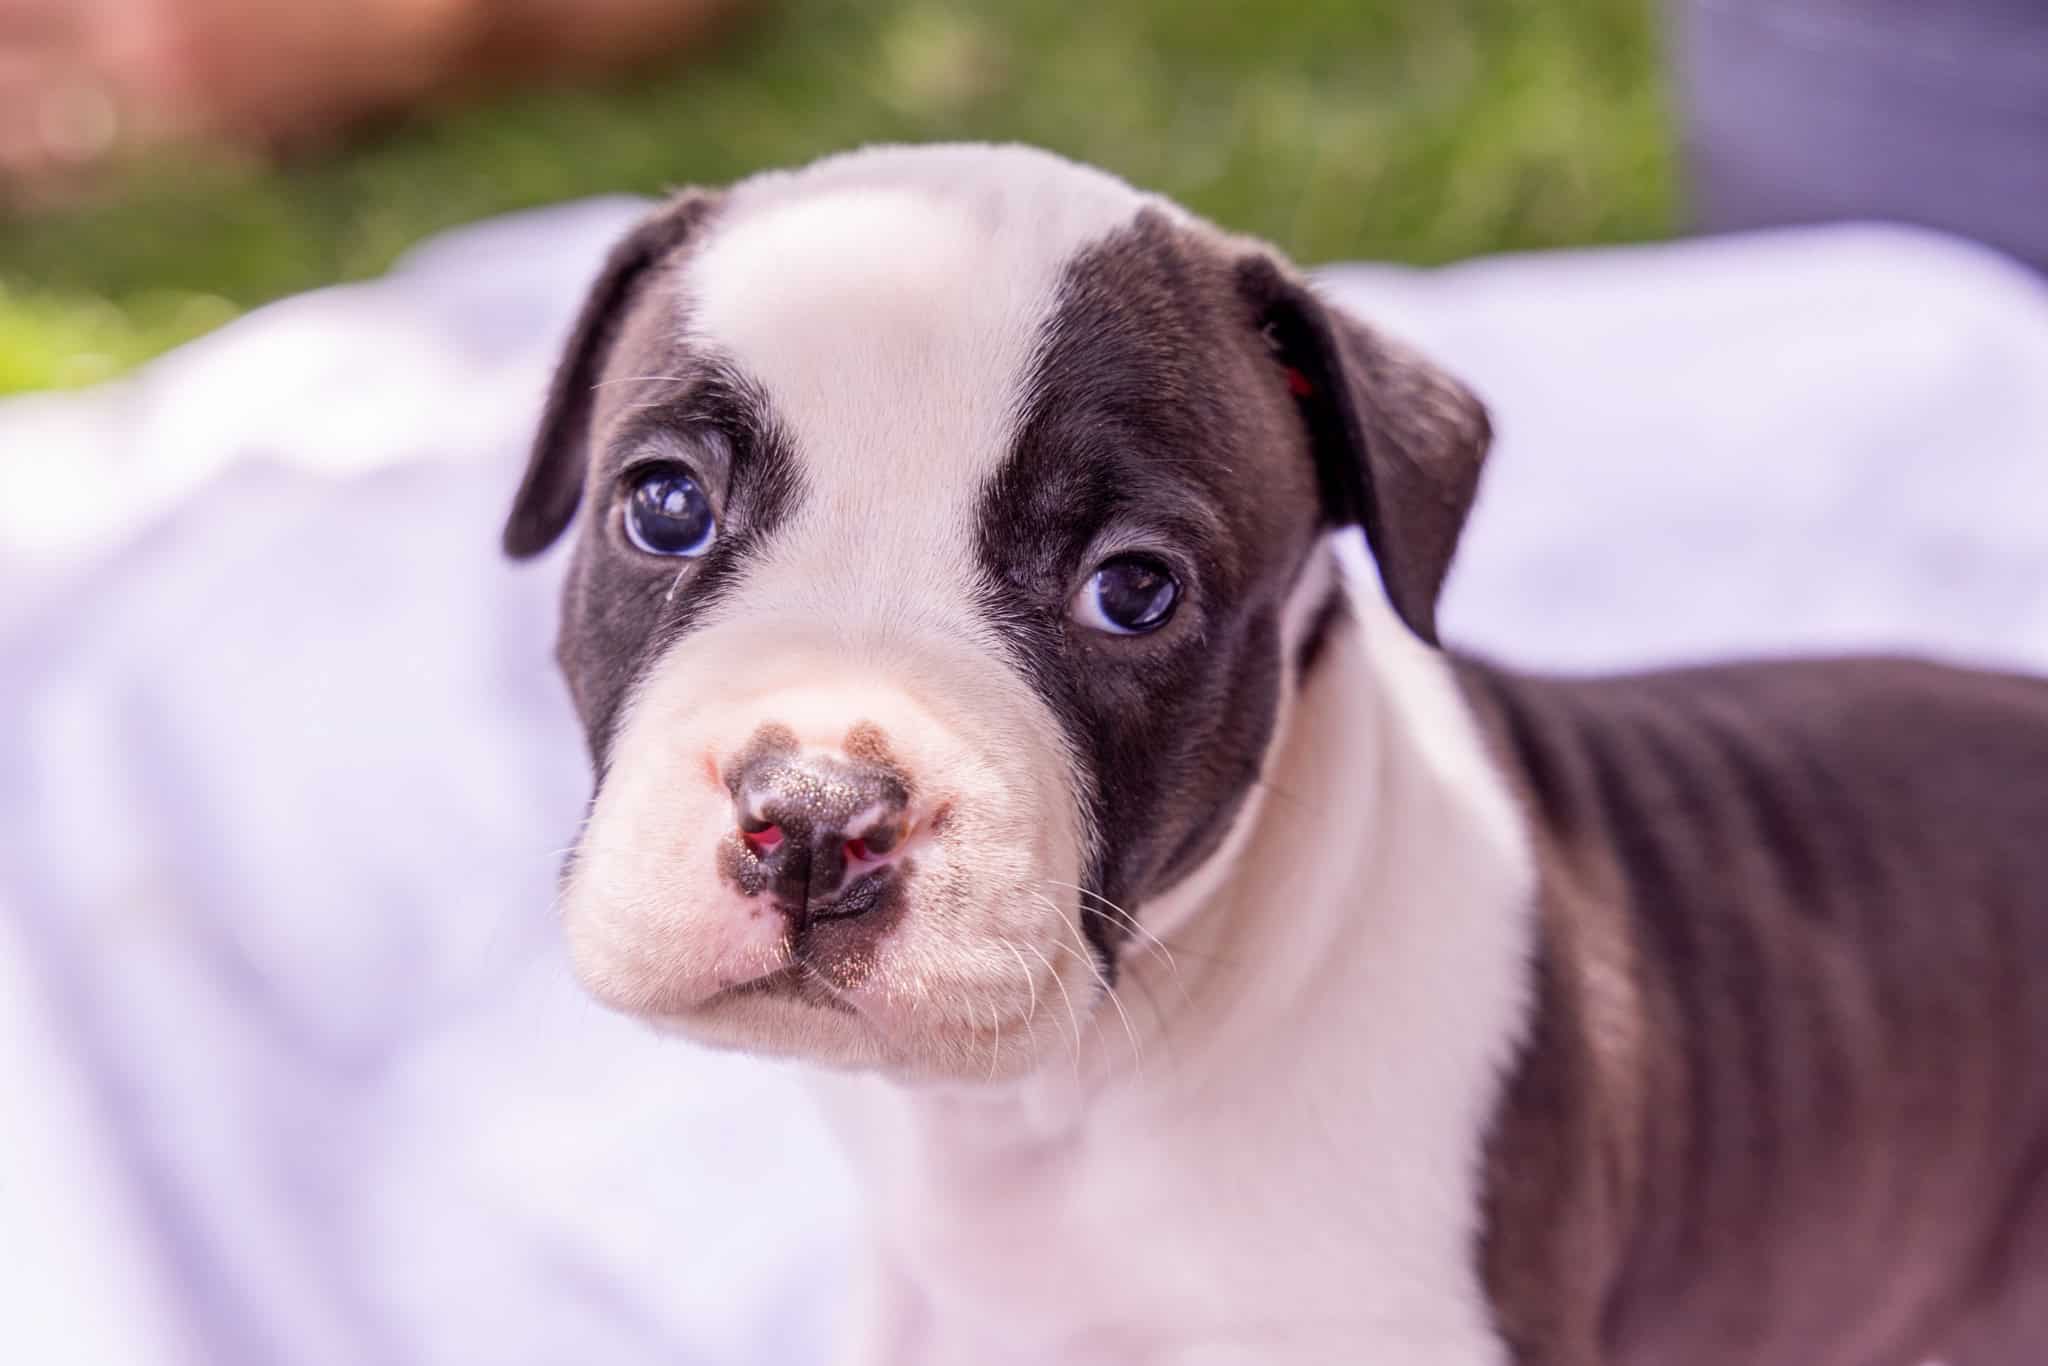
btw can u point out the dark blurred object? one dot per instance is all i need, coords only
(1924, 111)
(83, 82)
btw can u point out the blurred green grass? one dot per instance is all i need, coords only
(1409, 130)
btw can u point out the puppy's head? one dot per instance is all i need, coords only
(953, 521)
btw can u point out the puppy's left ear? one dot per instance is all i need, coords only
(1398, 444)
(553, 485)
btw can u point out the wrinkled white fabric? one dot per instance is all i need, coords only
(293, 1070)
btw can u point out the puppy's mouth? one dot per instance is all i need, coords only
(797, 982)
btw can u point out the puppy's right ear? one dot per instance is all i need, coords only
(548, 495)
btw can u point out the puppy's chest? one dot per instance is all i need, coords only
(1026, 1270)
(1074, 1254)
(1150, 1242)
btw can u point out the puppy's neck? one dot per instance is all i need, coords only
(1384, 847)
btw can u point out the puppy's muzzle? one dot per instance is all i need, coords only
(817, 831)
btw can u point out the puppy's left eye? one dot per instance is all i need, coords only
(1129, 595)
(668, 514)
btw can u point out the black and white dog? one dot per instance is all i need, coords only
(1209, 968)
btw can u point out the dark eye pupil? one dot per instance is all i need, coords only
(1135, 594)
(668, 514)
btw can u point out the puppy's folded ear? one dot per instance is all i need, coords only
(1398, 444)
(547, 496)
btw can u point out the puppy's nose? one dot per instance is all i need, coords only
(814, 825)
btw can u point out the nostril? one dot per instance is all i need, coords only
(876, 844)
(763, 839)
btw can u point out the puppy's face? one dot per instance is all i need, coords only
(946, 516)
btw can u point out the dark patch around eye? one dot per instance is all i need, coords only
(623, 608)
(1143, 403)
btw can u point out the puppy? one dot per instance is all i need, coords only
(1203, 966)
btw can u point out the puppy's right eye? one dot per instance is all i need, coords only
(668, 514)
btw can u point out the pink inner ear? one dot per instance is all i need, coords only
(1297, 383)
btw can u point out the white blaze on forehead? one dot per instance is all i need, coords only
(890, 304)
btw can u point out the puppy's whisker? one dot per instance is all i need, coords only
(1120, 916)
(995, 1055)
(1073, 1017)
(1103, 901)
(1158, 1016)
(1158, 950)
(1173, 950)
(1109, 991)
(1030, 983)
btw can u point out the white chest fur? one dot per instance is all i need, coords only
(1272, 1153)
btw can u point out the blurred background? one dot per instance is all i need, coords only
(293, 1069)
(175, 162)
(168, 164)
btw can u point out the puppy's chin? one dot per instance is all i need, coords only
(826, 1027)
(965, 1021)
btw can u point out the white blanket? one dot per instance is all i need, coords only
(292, 1071)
